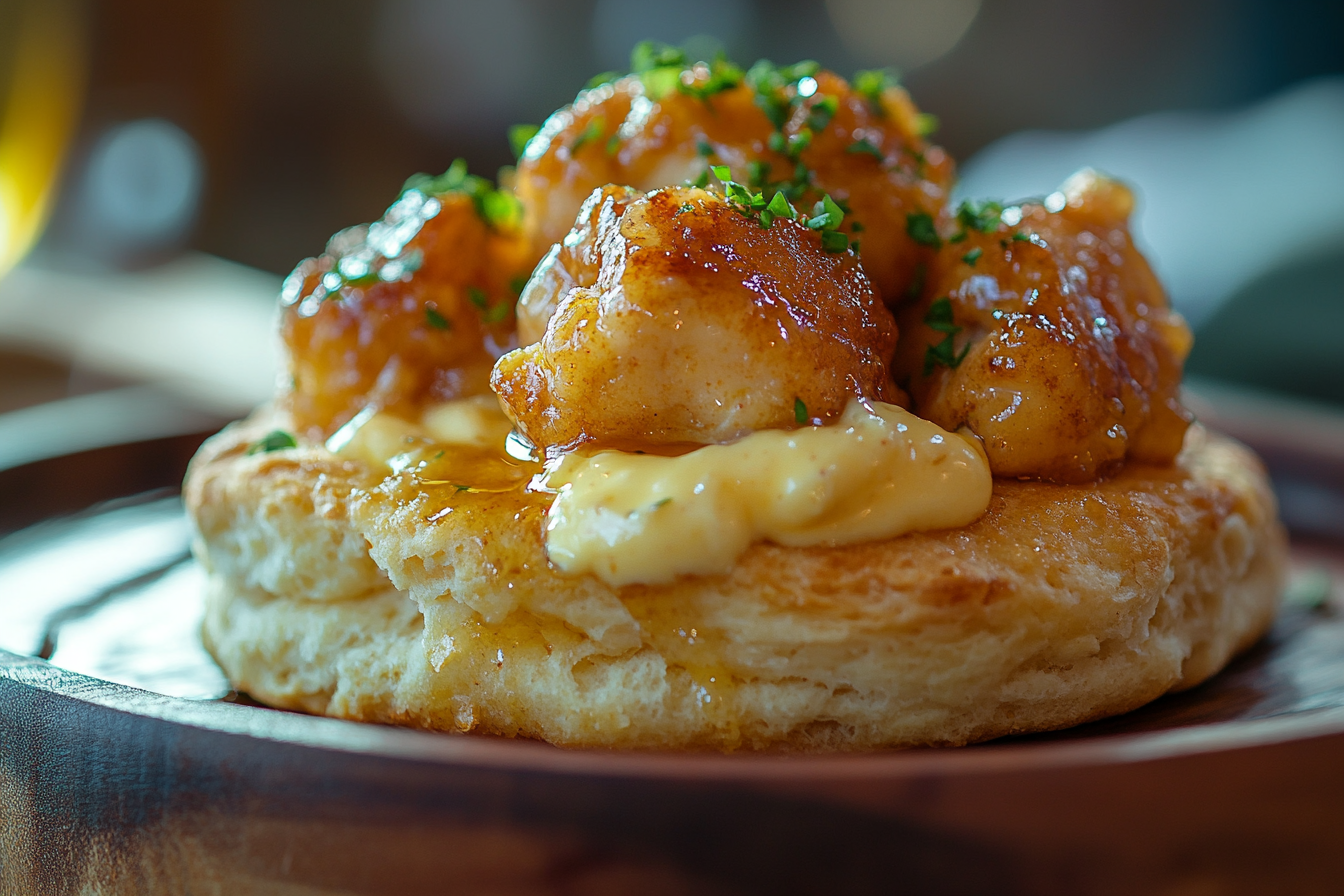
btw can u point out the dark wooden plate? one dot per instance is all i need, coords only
(175, 785)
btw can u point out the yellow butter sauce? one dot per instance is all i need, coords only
(878, 472)
(628, 517)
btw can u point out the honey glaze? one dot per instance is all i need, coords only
(456, 447)
(877, 473)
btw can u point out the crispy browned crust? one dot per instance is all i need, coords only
(1064, 603)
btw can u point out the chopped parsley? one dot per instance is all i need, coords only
(939, 317)
(822, 111)
(518, 284)
(659, 67)
(435, 319)
(703, 148)
(684, 208)
(943, 353)
(648, 55)
(768, 83)
(1020, 237)
(826, 215)
(501, 210)
(780, 207)
(834, 241)
(275, 440)
(866, 147)
(799, 412)
(758, 173)
(917, 281)
(973, 256)
(723, 75)
(983, 216)
(519, 134)
(919, 225)
(491, 314)
(603, 78)
(872, 84)
(926, 124)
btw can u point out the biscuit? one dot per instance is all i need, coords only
(1062, 604)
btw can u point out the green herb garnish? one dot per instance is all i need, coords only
(866, 147)
(275, 440)
(939, 317)
(499, 209)
(758, 173)
(822, 111)
(658, 65)
(917, 281)
(826, 215)
(519, 134)
(926, 124)
(723, 75)
(603, 78)
(435, 319)
(780, 207)
(983, 216)
(871, 84)
(919, 225)
(834, 241)
(768, 83)
(799, 411)
(973, 256)
(648, 55)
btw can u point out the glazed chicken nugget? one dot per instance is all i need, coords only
(796, 129)
(684, 320)
(1051, 339)
(406, 311)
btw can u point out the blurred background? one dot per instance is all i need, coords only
(163, 164)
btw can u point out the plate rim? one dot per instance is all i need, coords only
(529, 756)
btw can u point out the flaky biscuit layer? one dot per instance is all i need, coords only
(1064, 603)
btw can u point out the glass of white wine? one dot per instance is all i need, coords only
(42, 58)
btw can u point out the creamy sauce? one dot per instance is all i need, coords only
(627, 518)
(877, 473)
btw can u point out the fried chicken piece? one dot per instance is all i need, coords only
(412, 309)
(680, 319)
(1051, 339)
(796, 129)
